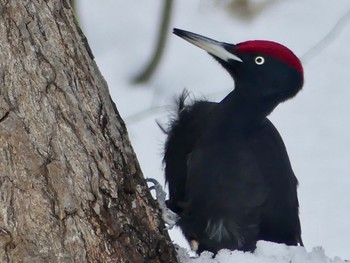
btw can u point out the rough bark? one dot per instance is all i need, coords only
(71, 189)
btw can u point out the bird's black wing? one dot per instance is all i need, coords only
(280, 215)
(225, 191)
(240, 189)
(183, 133)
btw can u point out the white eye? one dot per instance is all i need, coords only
(259, 60)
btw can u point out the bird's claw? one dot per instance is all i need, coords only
(169, 217)
(160, 194)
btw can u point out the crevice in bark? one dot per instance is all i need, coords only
(5, 115)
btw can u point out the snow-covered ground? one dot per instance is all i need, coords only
(315, 125)
(266, 252)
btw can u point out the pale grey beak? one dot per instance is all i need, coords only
(213, 47)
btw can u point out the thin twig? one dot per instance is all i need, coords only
(158, 51)
(327, 39)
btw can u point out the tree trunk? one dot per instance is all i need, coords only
(71, 189)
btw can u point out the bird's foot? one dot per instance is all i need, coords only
(194, 245)
(169, 217)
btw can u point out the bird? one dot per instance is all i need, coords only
(228, 172)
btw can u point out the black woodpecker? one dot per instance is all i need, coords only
(229, 175)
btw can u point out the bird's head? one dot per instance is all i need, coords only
(261, 69)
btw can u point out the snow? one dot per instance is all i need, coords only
(266, 252)
(315, 125)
